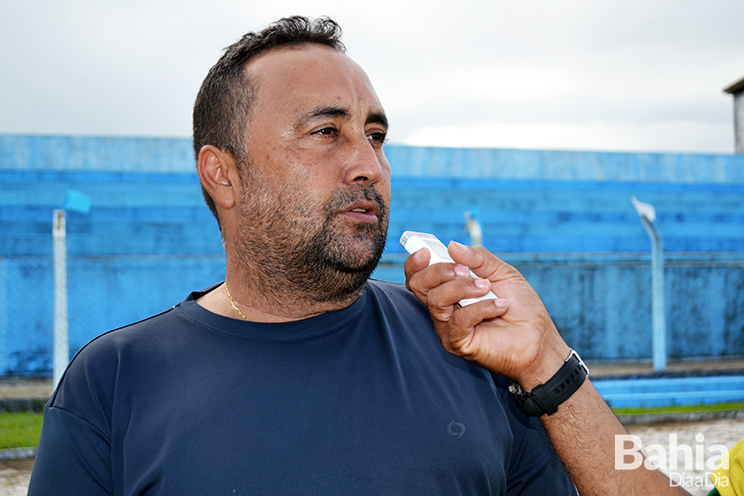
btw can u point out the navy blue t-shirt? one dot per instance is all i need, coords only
(360, 401)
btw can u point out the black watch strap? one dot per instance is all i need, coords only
(545, 398)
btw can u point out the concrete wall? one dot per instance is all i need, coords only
(739, 122)
(563, 218)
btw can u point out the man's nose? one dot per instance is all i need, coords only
(365, 163)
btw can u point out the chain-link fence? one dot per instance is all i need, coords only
(138, 238)
(104, 292)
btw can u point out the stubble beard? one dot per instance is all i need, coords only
(295, 248)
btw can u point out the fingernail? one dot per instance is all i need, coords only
(500, 303)
(482, 283)
(460, 246)
(418, 254)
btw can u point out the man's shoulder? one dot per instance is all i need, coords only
(108, 349)
(127, 332)
(127, 351)
(395, 297)
(397, 292)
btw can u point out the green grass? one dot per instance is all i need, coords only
(718, 407)
(20, 429)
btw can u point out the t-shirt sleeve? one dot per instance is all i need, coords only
(74, 454)
(73, 457)
(535, 468)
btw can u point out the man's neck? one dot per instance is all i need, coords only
(249, 301)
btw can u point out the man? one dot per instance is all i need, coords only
(298, 375)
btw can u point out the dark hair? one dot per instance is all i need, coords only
(224, 100)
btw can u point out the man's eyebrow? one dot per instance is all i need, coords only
(327, 112)
(378, 118)
(344, 113)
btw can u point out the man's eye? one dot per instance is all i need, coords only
(327, 131)
(378, 137)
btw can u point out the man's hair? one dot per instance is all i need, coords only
(224, 100)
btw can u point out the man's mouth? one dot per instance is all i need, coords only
(363, 212)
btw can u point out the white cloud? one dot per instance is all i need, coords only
(616, 74)
(680, 136)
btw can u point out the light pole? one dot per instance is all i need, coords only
(647, 213)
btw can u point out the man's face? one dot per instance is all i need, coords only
(317, 183)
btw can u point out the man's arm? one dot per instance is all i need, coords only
(514, 336)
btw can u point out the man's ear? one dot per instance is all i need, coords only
(218, 174)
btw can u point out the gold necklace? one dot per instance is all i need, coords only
(232, 302)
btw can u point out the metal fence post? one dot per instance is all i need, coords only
(61, 346)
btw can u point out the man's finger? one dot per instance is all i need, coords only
(421, 277)
(482, 262)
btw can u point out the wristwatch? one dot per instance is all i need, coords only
(545, 398)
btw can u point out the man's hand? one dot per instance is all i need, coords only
(513, 335)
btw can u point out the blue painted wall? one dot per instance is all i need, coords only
(563, 218)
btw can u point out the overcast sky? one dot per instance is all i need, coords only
(617, 75)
